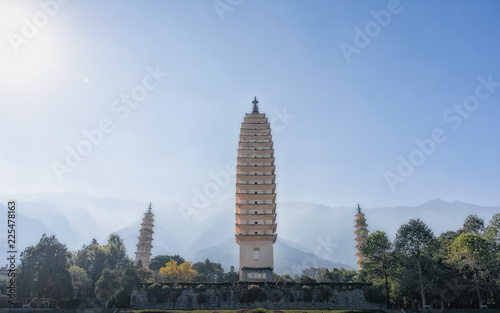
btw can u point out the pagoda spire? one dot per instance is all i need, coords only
(255, 109)
(145, 244)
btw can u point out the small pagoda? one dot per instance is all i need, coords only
(361, 236)
(143, 253)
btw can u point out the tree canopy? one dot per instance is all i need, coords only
(177, 273)
(473, 225)
(43, 272)
(208, 271)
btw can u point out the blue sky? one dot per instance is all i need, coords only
(342, 125)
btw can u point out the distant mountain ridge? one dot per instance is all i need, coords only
(309, 235)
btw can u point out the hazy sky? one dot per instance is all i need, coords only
(378, 102)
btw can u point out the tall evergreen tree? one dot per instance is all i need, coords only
(378, 250)
(116, 253)
(412, 239)
(492, 232)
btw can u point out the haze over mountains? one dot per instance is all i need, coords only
(309, 235)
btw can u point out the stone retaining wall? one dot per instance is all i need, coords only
(273, 296)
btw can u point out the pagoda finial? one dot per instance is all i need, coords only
(255, 109)
(359, 209)
(149, 209)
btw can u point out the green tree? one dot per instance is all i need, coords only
(208, 271)
(492, 235)
(443, 244)
(92, 258)
(80, 281)
(128, 281)
(473, 225)
(232, 275)
(404, 280)
(336, 275)
(304, 279)
(492, 232)
(81, 258)
(26, 286)
(325, 276)
(108, 286)
(343, 275)
(116, 253)
(470, 253)
(312, 272)
(286, 277)
(145, 274)
(412, 239)
(378, 250)
(159, 261)
(43, 271)
(60, 287)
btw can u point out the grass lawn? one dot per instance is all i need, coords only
(253, 311)
(258, 310)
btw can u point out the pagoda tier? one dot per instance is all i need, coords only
(255, 188)
(241, 217)
(250, 239)
(255, 208)
(361, 236)
(255, 197)
(145, 244)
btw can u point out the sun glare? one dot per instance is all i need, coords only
(28, 48)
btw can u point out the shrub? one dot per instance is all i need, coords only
(252, 294)
(201, 298)
(123, 299)
(373, 295)
(324, 293)
(307, 293)
(175, 294)
(256, 294)
(276, 297)
(259, 310)
(200, 288)
(163, 297)
(154, 291)
(225, 294)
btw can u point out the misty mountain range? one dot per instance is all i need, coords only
(309, 235)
